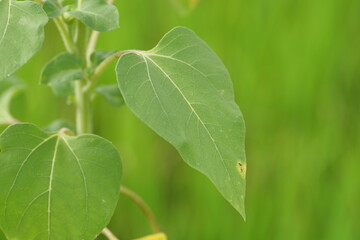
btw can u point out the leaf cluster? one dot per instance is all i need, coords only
(69, 179)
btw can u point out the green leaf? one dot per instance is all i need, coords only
(56, 186)
(182, 90)
(61, 72)
(58, 125)
(21, 33)
(52, 8)
(8, 89)
(98, 15)
(112, 94)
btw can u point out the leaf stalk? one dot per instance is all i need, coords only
(143, 207)
(102, 67)
(107, 233)
(64, 33)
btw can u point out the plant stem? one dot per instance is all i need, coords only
(143, 206)
(101, 68)
(64, 33)
(83, 109)
(91, 46)
(109, 234)
(82, 100)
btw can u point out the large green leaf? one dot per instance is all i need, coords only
(61, 72)
(56, 186)
(182, 90)
(21, 33)
(98, 15)
(8, 88)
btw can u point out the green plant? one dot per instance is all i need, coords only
(63, 183)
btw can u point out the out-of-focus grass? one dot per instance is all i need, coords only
(296, 70)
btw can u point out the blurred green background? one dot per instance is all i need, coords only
(295, 65)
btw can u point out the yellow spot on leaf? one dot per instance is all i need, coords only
(241, 167)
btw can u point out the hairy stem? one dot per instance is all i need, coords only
(83, 110)
(143, 206)
(106, 232)
(82, 100)
(101, 68)
(64, 33)
(92, 42)
(79, 2)
(91, 46)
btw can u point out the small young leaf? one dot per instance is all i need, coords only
(156, 236)
(183, 91)
(99, 56)
(52, 8)
(56, 186)
(112, 94)
(21, 33)
(8, 88)
(59, 124)
(61, 72)
(98, 15)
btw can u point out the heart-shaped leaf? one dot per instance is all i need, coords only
(21, 33)
(61, 72)
(98, 15)
(56, 186)
(182, 90)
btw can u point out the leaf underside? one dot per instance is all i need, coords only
(52, 8)
(21, 33)
(98, 15)
(61, 72)
(182, 90)
(56, 186)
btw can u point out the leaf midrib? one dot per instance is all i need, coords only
(21, 167)
(49, 190)
(92, 13)
(194, 111)
(50, 184)
(7, 22)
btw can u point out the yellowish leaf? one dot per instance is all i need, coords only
(157, 236)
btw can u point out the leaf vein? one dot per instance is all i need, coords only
(7, 22)
(198, 117)
(21, 167)
(50, 185)
(152, 85)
